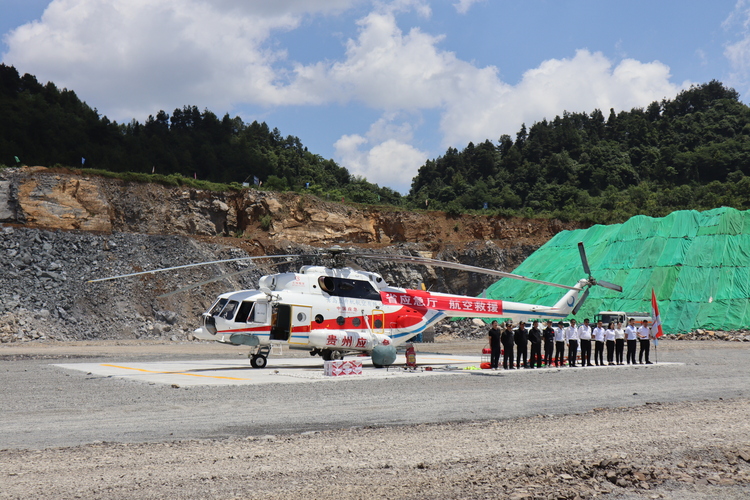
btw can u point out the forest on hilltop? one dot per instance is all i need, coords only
(44, 125)
(690, 152)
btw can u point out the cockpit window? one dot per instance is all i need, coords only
(247, 312)
(342, 287)
(228, 311)
(218, 307)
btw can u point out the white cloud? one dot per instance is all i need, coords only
(384, 68)
(387, 69)
(738, 52)
(384, 156)
(133, 57)
(488, 107)
(463, 6)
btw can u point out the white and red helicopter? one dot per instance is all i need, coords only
(334, 312)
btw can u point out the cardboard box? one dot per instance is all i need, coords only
(341, 367)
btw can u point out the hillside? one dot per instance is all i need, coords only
(690, 152)
(62, 228)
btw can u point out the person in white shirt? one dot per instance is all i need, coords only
(584, 334)
(644, 337)
(571, 336)
(599, 333)
(619, 343)
(631, 335)
(609, 338)
(559, 344)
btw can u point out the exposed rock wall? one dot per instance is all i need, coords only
(58, 199)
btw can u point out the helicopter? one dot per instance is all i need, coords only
(338, 311)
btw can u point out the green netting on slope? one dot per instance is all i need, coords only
(698, 263)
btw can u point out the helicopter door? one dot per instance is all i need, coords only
(281, 322)
(301, 316)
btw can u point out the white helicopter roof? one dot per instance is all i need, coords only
(344, 272)
(307, 280)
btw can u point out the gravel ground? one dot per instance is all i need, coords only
(671, 431)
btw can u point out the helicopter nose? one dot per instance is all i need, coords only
(209, 324)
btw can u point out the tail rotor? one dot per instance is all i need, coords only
(591, 280)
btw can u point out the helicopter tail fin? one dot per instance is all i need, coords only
(570, 299)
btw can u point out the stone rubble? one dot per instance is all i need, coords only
(730, 336)
(44, 293)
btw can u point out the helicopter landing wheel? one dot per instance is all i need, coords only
(330, 355)
(258, 361)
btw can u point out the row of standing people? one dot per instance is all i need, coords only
(556, 339)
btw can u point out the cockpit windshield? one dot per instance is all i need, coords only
(217, 307)
(228, 311)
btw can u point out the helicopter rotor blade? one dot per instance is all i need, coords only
(611, 286)
(584, 260)
(462, 267)
(195, 285)
(218, 278)
(153, 271)
(580, 301)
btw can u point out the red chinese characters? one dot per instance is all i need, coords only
(422, 299)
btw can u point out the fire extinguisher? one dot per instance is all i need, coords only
(411, 356)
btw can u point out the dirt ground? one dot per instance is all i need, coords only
(687, 449)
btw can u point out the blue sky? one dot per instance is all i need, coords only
(379, 86)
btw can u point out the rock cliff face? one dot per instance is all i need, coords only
(58, 199)
(62, 229)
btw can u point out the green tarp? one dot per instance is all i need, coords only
(698, 264)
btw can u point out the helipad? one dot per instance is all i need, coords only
(279, 370)
(293, 370)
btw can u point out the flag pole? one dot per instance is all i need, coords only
(656, 329)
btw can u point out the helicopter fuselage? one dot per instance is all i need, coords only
(335, 311)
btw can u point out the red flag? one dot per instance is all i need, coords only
(656, 324)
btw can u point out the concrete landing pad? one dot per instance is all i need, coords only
(293, 370)
(279, 370)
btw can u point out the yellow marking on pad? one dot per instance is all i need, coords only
(174, 373)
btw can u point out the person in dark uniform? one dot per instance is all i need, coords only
(507, 341)
(548, 334)
(494, 336)
(535, 337)
(522, 344)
